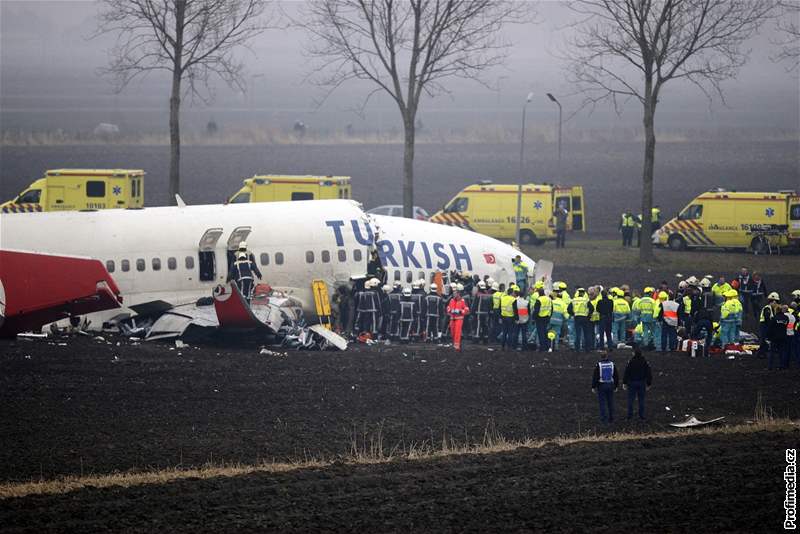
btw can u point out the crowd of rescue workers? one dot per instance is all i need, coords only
(549, 316)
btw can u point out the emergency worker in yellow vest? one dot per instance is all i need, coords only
(646, 309)
(622, 312)
(542, 311)
(581, 309)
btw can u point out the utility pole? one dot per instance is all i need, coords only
(521, 167)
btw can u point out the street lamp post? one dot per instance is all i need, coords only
(521, 167)
(553, 99)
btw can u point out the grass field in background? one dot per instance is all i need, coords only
(609, 253)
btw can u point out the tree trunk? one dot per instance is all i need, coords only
(408, 165)
(646, 245)
(174, 139)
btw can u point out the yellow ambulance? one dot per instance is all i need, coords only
(80, 189)
(279, 188)
(491, 209)
(728, 219)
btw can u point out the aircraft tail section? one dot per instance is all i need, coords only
(37, 289)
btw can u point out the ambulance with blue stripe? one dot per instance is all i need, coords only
(760, 221)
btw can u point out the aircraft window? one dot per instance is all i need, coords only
(421, 276)
(189, 263)
(342, 255)
(172, 264)
(156, 264)
(126, 266)
(357, 256)
(264, 258)
(458, 205)
(241, 198)
(576, 203)
(31, 196)
(397, 276)
(309, 256)
(110, 266)
(279, 258)
(326, 256)
(302, 196)
(433, 277)
(409, 277)
(140, 265)
(95, 188)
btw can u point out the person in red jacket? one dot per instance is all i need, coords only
(457, 309)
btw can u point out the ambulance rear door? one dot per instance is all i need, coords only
(577, 212)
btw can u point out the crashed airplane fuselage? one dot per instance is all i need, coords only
(158, 258)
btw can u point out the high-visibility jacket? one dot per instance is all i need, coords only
(595, 314)
(606, 371)
(496, 296)
(720, 290)
(627, 221)
(559, 310)
(670, 315)
(766, 314)
(580, 306)
(727, 312)
(522, 310)
(507, 305)
(737, 309)
(621, 307)
(545, 306)
(457, 309)
(521, 270)
(655, 214)
(646, 306)
(687, 305)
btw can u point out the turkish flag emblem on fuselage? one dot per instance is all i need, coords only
(489, 258)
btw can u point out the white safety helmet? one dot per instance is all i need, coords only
(774, 296)
(387, 288)
(407, 291)
(421, 282)
(489, 281)
(495, 286)
(375, 282)
(415, 284)
(796, 293)
(453, 285)
(683, 284)
(397, 283)
(481, 285)
(459, 287)
(434, 287)
(242, 245)
(705, 282)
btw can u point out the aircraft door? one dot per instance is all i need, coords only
(206, 256)
(238, 235)
(577, 211)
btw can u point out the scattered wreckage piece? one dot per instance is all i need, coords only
(693, 421)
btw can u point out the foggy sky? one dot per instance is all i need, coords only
(45, 51)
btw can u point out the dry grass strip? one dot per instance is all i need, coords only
(492, 443)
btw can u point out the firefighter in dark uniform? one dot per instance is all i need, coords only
(482, 306)
(433, 314)
(605, 382)
(251, 257)
(407, 315)
(241, 272)
(394, 311)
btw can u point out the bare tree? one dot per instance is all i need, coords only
(629, 49)
(788, 38)
(193, 40)
(406, 48)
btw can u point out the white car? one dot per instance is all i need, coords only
(396, 210)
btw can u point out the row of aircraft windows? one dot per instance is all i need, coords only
(172, 263)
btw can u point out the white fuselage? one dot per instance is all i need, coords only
(160, 254)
